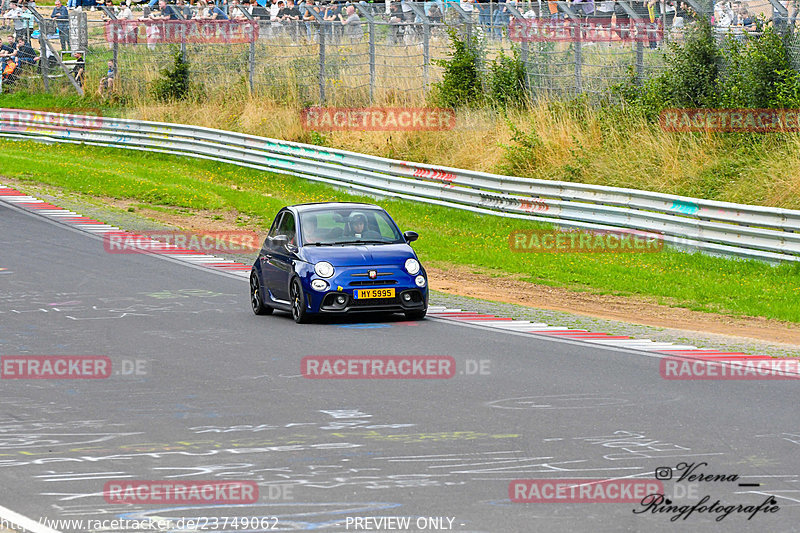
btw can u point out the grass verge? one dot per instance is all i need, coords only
(449, 236)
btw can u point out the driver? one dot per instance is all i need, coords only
(358, 227)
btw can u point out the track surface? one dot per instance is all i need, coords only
(221, 397)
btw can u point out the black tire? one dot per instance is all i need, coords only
(416, 315)
(299, 313)
(256, 303)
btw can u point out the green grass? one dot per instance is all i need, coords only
(448, 236)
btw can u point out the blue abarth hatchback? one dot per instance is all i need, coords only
(334, 258)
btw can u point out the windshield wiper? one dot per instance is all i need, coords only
(360, 242)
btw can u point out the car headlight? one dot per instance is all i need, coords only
(420, 281)
(324, 269)
(412, 266)
(319, 285)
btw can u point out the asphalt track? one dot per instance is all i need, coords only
(219, 396)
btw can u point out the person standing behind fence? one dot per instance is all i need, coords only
(309, 18)
(61, 16)
(352, 24)
(217, 13)
(290, 16)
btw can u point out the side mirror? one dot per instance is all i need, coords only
(279, 241)
(411, 236)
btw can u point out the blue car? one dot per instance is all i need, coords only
(336, 258)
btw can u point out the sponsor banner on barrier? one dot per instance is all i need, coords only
(180, 492)
(582, 490)
(730, 120)
(55, 367)
(181, 31)
(165, 241)
(377, 118)
(675, 368)
(607, 30)
(12, 120)
(378, 367)
(597, 241)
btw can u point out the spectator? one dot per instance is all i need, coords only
(274, 17)
(79, 68)
(19, 14)
(184, 9)
(61, 16)
(352, 24)
(7, 50)
(501, 18)
(290, 17)
(203, 12)
(107, 81)
(234, 13)
(260, 11)
(26, 55)
(308, 17)
(5, 5)
(125, 12)
(217, 13)
(435, 14)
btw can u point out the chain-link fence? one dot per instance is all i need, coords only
(378, 53)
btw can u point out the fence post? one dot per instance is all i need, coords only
(639, 61)
(251, 64)
(371, 61)
(323, 31)
(44, 61)
(578, 62)
(426, 53)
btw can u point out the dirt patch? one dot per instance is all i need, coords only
(470, 281)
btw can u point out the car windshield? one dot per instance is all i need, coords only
(352, 225)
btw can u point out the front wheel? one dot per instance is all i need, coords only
(416, 315)
(256, 302)
(298, 302)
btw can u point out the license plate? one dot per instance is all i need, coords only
(364, 294)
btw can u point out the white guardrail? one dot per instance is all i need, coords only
(723, 228)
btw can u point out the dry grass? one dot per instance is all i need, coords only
(584, 146)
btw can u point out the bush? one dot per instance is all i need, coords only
(507, 81)
(756, 71)
(461, 80)
(174, 83)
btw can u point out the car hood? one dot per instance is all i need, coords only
(358, 255)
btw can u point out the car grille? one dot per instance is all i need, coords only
(369, 302)
(371, 283)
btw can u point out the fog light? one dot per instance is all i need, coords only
(406, 297)
(319, 285)
(420, 280)
(341, 300)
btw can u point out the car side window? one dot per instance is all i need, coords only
(287, 227)
(273, 230)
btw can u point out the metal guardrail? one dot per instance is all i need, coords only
(729, 229)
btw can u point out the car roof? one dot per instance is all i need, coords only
(317, 206)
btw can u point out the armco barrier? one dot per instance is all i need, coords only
(724, 228)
